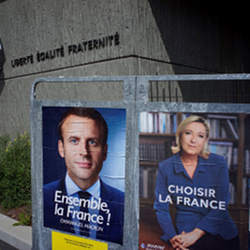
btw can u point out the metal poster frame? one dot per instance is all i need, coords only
(41, 236)
(144, 104)
(135, 100)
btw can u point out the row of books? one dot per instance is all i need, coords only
(248, 192)
(159, 151)
(154, 151)
(230, 153)
(232, 192)
(158, 122)
(162, 150)
(226, 150)
(245, 192)
(147, 182)
(247, 161)
(221, 126)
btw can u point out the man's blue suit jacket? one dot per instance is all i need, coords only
(112, 196)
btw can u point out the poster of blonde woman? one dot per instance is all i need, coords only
(188, 180)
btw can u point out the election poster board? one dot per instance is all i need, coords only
(163, 195)
(100, 215)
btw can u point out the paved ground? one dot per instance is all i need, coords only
(20, 237)
(4, 246)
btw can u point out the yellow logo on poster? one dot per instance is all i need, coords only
(61, 241)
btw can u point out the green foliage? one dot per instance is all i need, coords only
(4, 139)
(25, 218)
(15, 165)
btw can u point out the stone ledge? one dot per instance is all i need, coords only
(19, 237)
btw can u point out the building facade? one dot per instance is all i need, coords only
(124, 37)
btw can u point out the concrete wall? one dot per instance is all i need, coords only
(115, 37)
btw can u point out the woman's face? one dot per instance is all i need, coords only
(193, 138)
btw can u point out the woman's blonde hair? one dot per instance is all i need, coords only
(193, 118)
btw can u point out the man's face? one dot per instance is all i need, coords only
(82, 149)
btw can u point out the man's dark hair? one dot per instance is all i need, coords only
(90, 113)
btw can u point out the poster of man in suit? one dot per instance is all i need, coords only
(84, 171)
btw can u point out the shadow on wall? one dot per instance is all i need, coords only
(202, 37)
(2, 83)
(2, 60)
